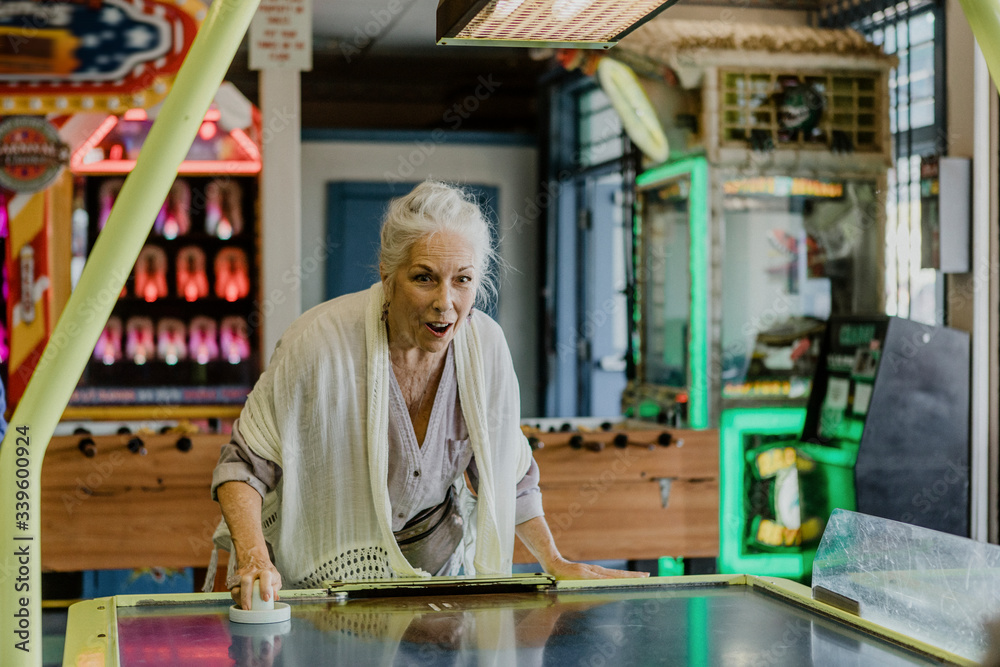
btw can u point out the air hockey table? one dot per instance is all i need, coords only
(523, 620)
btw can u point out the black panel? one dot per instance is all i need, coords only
(912, 432)
(913, 465)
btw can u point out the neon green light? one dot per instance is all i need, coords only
(698, 345)
(637, 296)
(667, 566)
(699, 632)
(697, 170)
(732, 514)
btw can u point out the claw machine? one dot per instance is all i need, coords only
(765, 221)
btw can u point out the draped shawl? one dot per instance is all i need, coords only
(320, 411)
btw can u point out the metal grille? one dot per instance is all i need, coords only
(914, 31)
(751, 107)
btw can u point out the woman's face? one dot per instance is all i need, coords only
(433, 294)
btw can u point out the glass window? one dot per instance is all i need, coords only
(599, 129)
(916, 89)
(922, 28)
(797, 250)
(665, 281)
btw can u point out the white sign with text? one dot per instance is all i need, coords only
(281, 35)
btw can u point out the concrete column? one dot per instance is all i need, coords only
(280, 203)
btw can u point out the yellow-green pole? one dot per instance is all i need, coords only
(984, 18)
(87, 310)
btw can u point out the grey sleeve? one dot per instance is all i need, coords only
(528, 501)
(238, 464)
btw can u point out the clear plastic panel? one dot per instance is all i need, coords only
(938, 588)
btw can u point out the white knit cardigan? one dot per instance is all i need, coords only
(320, 411)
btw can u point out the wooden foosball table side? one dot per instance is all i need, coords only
(629, 494)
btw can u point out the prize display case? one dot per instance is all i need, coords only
(184, 331)
(731, 299)
(730, 317)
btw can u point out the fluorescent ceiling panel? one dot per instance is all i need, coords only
(561, 23)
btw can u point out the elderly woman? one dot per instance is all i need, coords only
(349, 460)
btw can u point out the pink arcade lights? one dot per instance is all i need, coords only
(193, 256)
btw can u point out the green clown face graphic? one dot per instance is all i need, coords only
(799, 108)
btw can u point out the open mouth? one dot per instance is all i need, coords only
(439, 329)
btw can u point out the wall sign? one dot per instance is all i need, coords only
(31, 154)
(100, 55)
(281, 35)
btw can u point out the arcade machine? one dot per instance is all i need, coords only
(73, 81)
(56, 86)
(184, 329)
(173, 365)
(765, 221)
(886, 433)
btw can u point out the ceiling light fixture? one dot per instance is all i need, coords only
(596, 24)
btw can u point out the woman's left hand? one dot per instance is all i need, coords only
(567, 569)
(537, 537)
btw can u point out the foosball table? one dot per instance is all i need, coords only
(627, 490)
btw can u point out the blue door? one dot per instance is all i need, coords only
(603, 312)
(354, 218)
(354, 215)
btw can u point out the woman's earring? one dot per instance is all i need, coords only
(385, 312)
(469, 318)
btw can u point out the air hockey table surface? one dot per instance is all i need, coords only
(523, 620)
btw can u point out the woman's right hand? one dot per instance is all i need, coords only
(252, 565)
